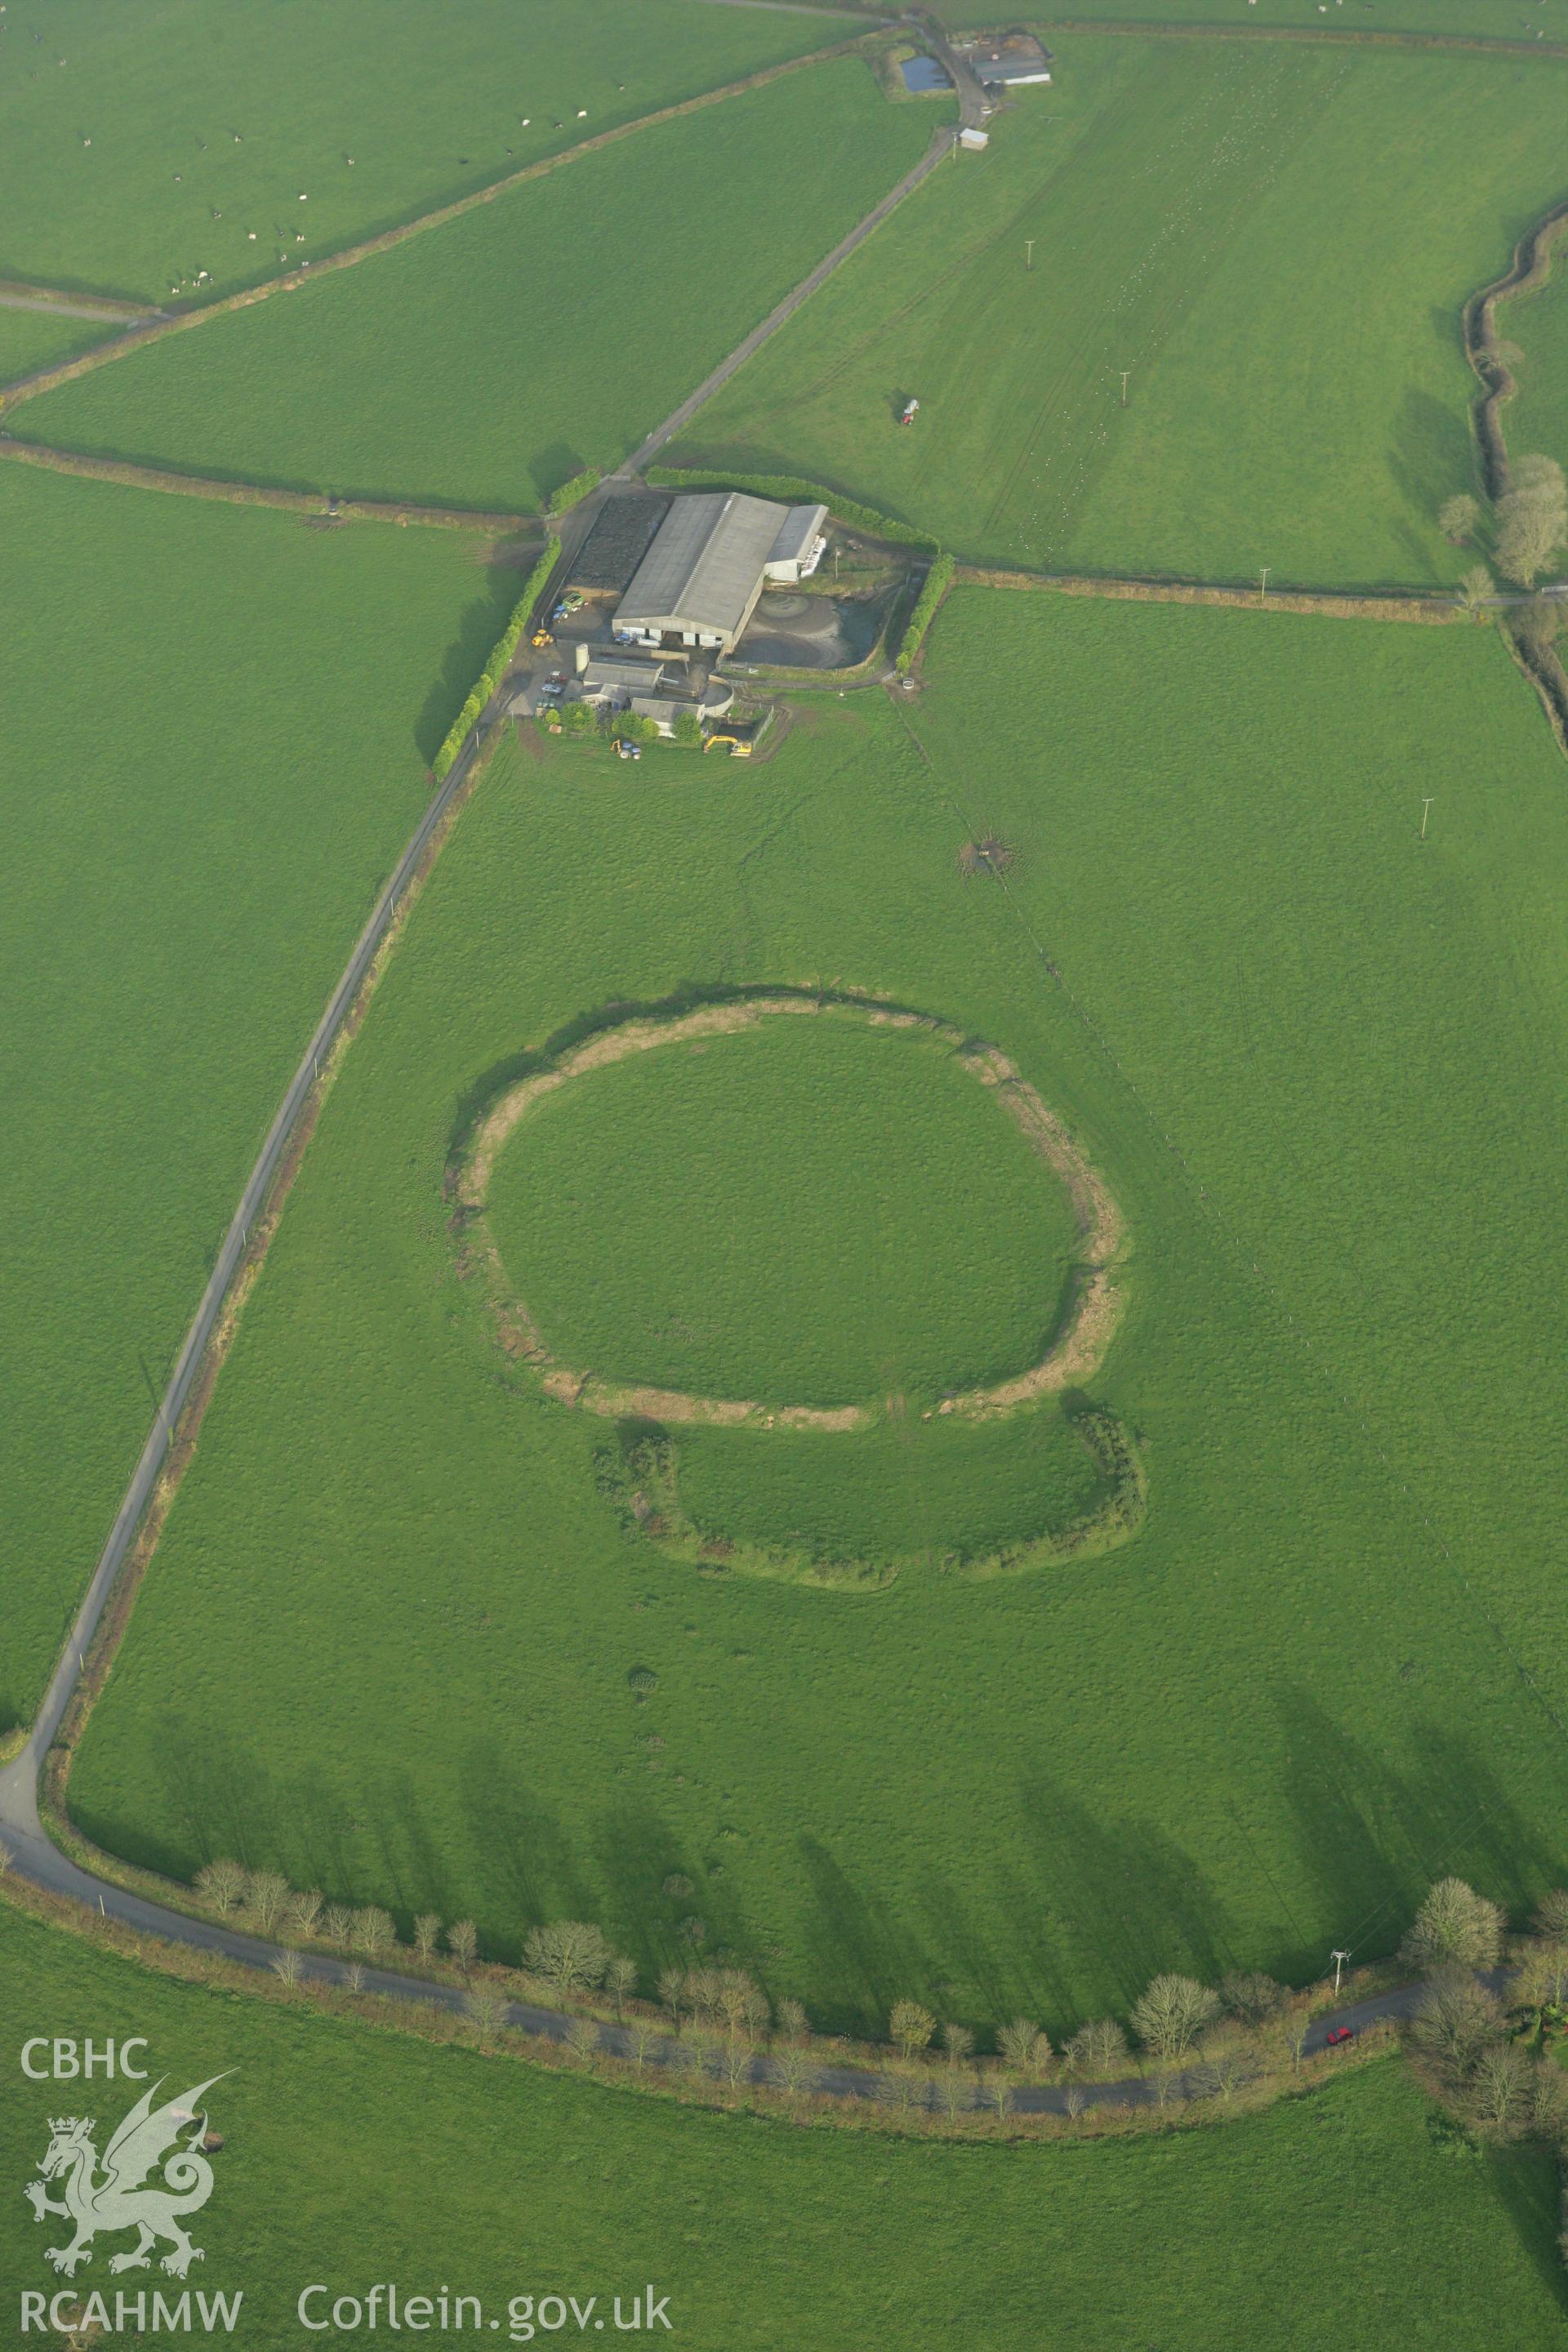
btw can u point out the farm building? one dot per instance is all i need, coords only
(714, 553)
(798, 549)
(1009, 63)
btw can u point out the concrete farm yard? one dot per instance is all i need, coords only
(913, 1366)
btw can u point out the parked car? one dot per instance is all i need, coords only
(1340, 2033)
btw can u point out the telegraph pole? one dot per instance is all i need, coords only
(1339, 1959)
(1425, 806)
(1263, 585)
(1028, 253)
(1125, 374)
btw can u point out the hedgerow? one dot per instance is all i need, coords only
(793, 492)
(937, 581)
(562, 500)
(495, 669)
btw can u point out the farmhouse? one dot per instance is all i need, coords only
(710, 557)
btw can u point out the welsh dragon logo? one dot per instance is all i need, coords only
(108, 2194)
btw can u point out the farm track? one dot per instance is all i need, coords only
(310, 503)
(67, 306)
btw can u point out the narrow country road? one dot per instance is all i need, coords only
(97, 312)
(32, 1854)
(35, 1857)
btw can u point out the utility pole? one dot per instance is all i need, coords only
(1339, 1959)
(1425, 806)
(1125, 374)
(1028, 253)
(1263, 585)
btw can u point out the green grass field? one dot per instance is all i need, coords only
(1274, 242)
(1255, 1730)
(428, 105)
(32, 339)
(912, 1241)
(528, 339)
(1498, 20)
(217, 723)
(1536, 326)
(353, 2157)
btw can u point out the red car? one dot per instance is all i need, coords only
(1338, 2033)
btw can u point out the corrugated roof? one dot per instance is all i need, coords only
(796, 533)
(702, 571)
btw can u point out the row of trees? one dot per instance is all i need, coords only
(1214, 2040)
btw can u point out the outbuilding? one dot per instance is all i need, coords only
(699, 584)
(799, 547)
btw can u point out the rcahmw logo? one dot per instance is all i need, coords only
(154, 2173)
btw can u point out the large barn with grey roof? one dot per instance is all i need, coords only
(710, 561)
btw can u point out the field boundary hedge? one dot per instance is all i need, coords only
(793, 492)
(310, 273)
(495, 669)
(1530, 268)
(641, 1481)
(313, 503)
(1348, 36)
(1436, 611)
(937, 583)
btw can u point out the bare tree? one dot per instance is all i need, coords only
(485, 2008)
(1229, 2064)
(266, 1891)
(305, 1911)
(1074, 2098)
(672, 1994)
(642, 2035)
(1097, 2049)
(1532, 519)
(583, 2040)
(1551, 1918)
(1542, 1979)
(375, 1934)
(354, 1977)
(1458, 518)
(285, 1965)
(957, 2042)
(910, 2027)
(338, 1924)
(737, 2064)
(702, 1989)
(955, 2091)
(1497, 2095)
(996, 2091)
(792, 2022)
(1252, 1997)
(621, 1983)
(222, 1883)
(1025, 2047)
(1474, 587)
(7, 1858)
(736, 1999)
(1455, 1928)
(1457, 2019)
(463, 1943)
(1169, 2017)
(793, 2067)
(570, 1954)
(426, 1934)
